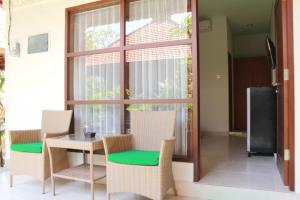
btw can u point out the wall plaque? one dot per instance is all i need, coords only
(38, 43)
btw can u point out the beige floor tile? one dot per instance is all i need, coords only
(225, 163)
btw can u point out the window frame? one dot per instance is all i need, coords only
(193, 151)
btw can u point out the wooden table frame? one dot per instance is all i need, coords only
(60, 167)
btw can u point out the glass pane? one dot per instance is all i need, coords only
(151, 21)
(161, 73)
(102, 119)
(97, 29)
(96, 77)
(183, 122)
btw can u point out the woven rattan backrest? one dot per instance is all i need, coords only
(149, 128)
(56, 121)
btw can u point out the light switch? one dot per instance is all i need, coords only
(15, 49)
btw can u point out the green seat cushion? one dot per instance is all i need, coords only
(135, 157)
(34, 147)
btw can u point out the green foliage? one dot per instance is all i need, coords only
(101, 38)
(139, 107)
(96, 89)
(183, 29)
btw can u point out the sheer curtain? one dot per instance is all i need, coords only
(153, 20)
(97, 29)
(97, 77)
(102, 119)
(161, 73)
(94, 79)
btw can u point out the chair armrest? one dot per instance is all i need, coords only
(117, 144)
(166, 153)
(24, 136)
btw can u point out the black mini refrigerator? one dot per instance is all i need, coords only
(261, 120)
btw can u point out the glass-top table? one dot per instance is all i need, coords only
(81, 138)
(60, 166)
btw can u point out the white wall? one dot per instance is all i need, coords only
(214, 110)
(36, 82)
(249, 45)
(272, 26)
(297, 92)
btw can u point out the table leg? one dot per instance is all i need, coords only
(84, 157)
(51, 170)
(92, 173)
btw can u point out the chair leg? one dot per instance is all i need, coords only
(92, 191)
(159, 198)
(107, 196)
(43, 186)
(53, 185)
(175, 190)
(11, 180)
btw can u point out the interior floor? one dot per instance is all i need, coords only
(225, 163)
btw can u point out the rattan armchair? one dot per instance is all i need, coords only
(150, 130)
(54, 123)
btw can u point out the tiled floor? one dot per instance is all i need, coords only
(26, 188)
(226, 164)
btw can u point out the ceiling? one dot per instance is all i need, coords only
(240, 13)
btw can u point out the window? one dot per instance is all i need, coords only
(124, 55)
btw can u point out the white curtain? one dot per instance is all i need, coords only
(97, 77)
(153, 20)
(155, 9)
(97, 29)
(162, 75)
(102, 119)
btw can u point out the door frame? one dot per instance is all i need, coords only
(231, 94)
(290, 101)
(288, 175)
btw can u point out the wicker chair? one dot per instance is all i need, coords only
(150, 130)
(54, 123)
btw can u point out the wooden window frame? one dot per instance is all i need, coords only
(194, 137)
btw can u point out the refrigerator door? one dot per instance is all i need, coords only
(262, 120)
